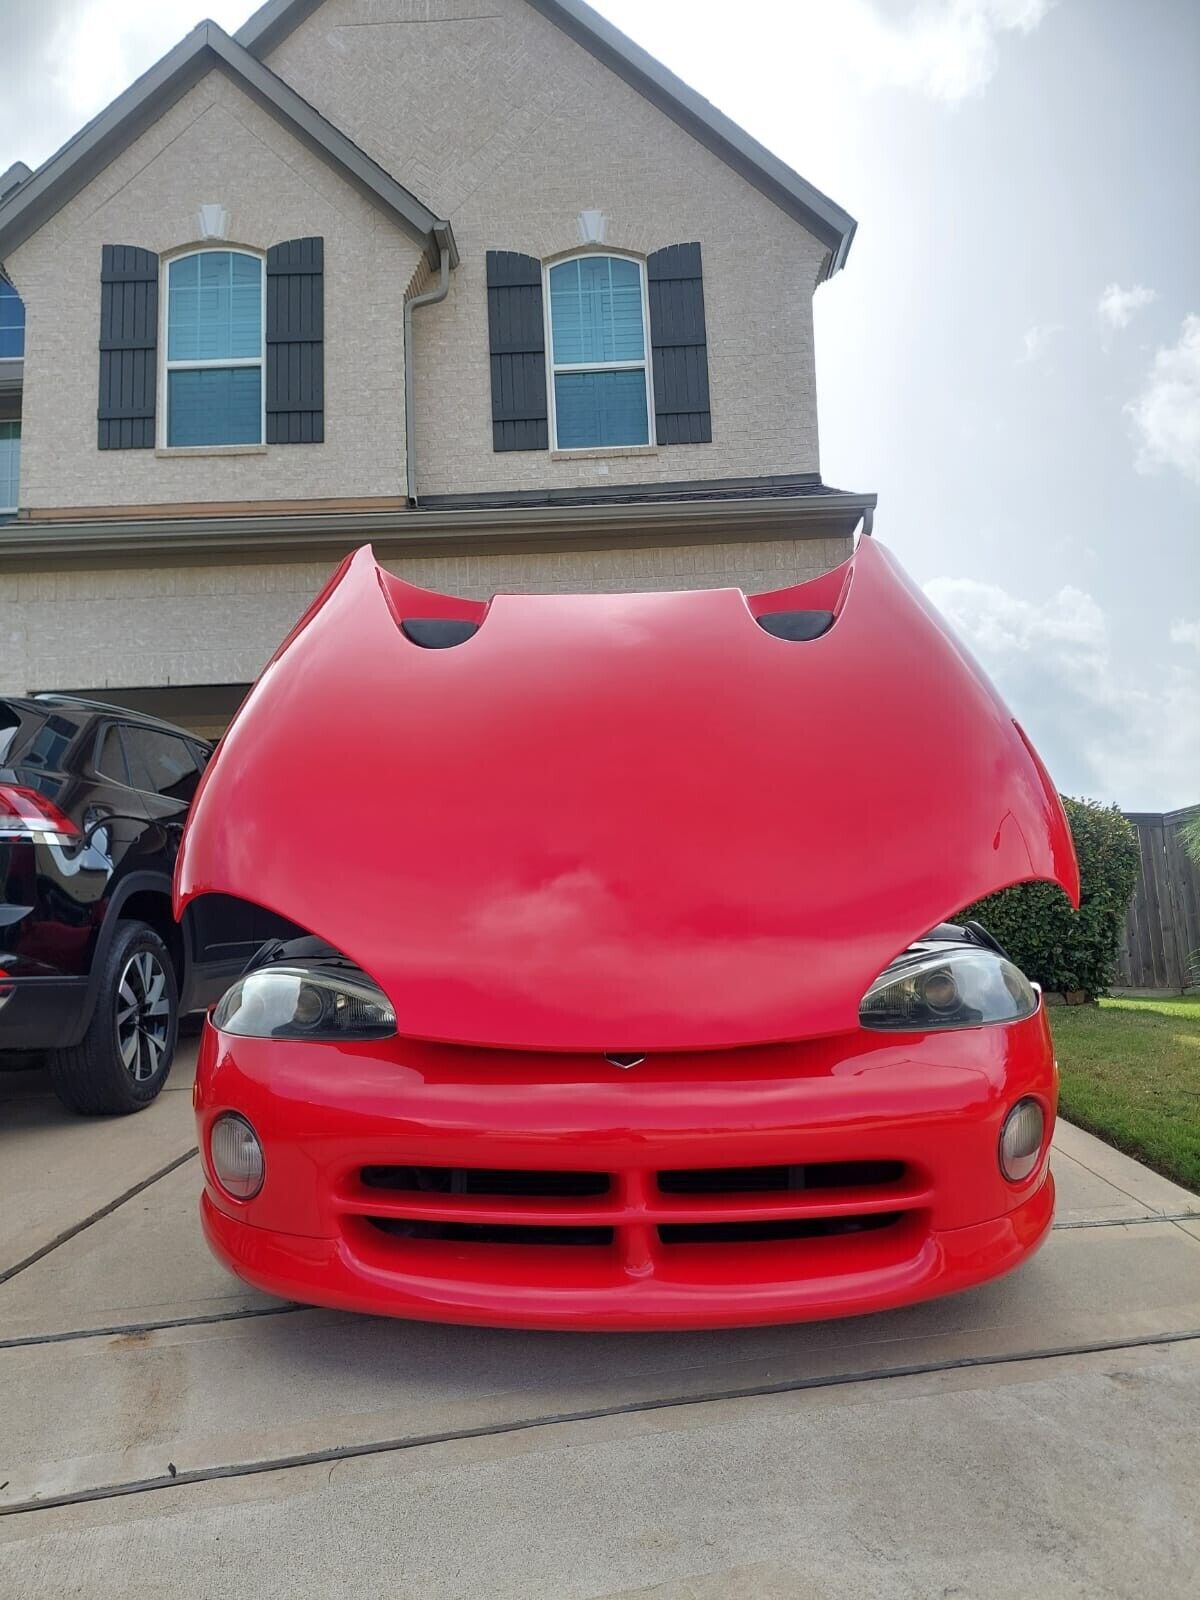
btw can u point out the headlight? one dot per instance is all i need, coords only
(959, 987)
(295, 1002)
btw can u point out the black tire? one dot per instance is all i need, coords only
(124, 1058)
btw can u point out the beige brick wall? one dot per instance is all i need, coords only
(140, 627)
(217, 145)
(498, 120)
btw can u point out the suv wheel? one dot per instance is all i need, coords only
(123, 1059)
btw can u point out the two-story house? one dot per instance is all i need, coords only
(482, 284)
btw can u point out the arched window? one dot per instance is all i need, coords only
(12, 322)
(600, 379)
(214, 349)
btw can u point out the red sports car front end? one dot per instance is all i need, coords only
(621, 995)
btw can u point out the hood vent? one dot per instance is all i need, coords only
(438, 633)
(796, 626)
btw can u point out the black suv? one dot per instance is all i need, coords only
(94, 969)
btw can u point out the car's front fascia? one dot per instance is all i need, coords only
(818, 1178)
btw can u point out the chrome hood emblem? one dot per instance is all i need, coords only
(623, 1061)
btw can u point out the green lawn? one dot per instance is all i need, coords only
(1131, 1075)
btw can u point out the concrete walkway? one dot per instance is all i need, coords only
(165, 1430)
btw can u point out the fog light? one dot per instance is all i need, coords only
(1021, 1140)
(237, 1156)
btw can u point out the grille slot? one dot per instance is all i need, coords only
(767, 1180)
(781, 1228)
(627, 1219)
(488, 1181)
(493, 1233)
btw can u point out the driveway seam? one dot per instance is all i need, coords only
(1129, 1195)
(207, 1319)
(203, 1319)
(175, 1479)
(77, 1228)
(1127, 1222)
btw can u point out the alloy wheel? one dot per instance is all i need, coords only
(143, 1015)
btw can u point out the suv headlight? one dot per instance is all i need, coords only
(959, 987)
(298, 1002)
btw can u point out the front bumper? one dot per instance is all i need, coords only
(408, 1179)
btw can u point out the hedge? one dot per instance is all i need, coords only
(1059, 948)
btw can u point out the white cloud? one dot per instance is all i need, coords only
(1117, 307)
(947, 49)
(65, 61)
(1108, 727)
(1187, 633)
(1166, 414)
(1037, 340)
(100, 46)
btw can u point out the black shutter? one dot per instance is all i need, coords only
(675, 283)
(128, 340)
(295, 342)
(517, 342)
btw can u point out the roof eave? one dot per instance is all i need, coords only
(207, 46)
(815, 211)
(822, 217)
(272, 23)
(195, 540)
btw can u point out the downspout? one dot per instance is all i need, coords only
(429, 298)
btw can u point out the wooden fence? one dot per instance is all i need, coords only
(1161, 945)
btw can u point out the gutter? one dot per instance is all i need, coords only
(430, 298)
(26, 546)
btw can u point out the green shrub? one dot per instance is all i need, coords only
(1060, 948)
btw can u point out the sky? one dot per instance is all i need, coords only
(1011, 357)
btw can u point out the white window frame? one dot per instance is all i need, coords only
(166, 366)
(553, 368)
(14, 298)
(5, 510)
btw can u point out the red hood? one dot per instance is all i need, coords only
(628, 822)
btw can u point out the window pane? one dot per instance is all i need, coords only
(215, 405)
(10, 464)
(160, 763)
(214, 307)
(110, 763)
(12, 321)
(596, 310)
(600, 408)
(49, 744)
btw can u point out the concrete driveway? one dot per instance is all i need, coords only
(165, 1430)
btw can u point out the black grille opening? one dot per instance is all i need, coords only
(490, 1233)
(780, 1228)
(766, 1180)
(485, 1180)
